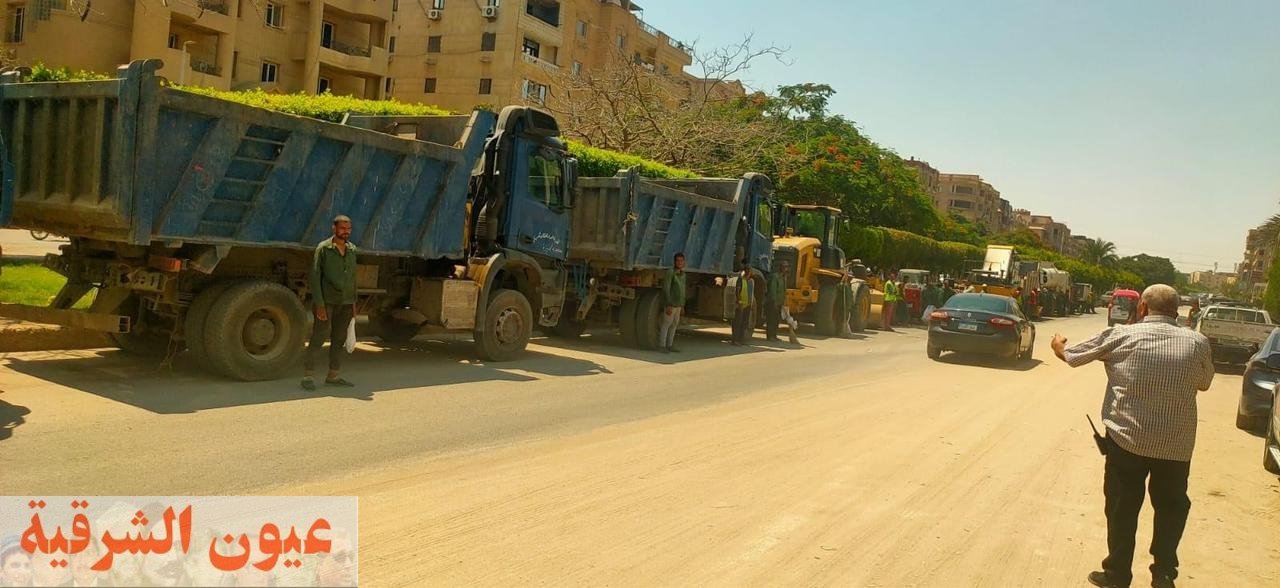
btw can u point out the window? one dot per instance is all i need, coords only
(17, 24)
(962, 189)
(486, 85)
(488, 41)
(531, 47)
(325, 85)
(173, 41)
(582, 29)
(577, 68)
(961, 204)
(270, 72)
(433, 44)
(534, 92)
(391, 44)
(437, 4)
(388, 86)
(275, 15)
(622, 41)
(326, 34)
(546, 180)
(429, 86)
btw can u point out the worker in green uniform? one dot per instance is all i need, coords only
(672, 304)
(775, 297)
(890, 302)
(333, 299)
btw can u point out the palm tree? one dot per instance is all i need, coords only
(1100, 252)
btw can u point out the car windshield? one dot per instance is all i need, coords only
(1125, 303)
(981, 302)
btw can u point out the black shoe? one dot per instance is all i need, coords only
(308, 384)
(1161, 581)
(772, 339)
(1104, 580)
(338, 382)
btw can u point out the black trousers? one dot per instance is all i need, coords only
(772, 316)
(335, 329)
(1125, 485)
(742, 324)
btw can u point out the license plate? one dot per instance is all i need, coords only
(967, 327)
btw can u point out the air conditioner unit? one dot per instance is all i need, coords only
(490, 11)
(434, 14)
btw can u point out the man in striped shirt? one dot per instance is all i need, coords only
(1154, 370)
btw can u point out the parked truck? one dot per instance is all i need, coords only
(1234, 333)
(626, 232)
(193, 220)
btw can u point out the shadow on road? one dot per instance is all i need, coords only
(11, 416)
(693, 345)
(1228, 369)
(989, 361)
(185, 388)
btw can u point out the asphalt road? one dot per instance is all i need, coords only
(20, 243)
(848, 462)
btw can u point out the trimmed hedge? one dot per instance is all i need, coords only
(327, 107)
(892, 248)
(43, 73)
(594, 162)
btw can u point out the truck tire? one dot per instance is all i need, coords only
(507, 326)
(568, 327)
(255, 331)
(627, 322)
(142, 342)
(648, 313)
(197, 317)
(861, 309)
(827, 313)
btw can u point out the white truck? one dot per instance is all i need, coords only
(1234, 333)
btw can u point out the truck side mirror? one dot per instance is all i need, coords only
(570, 181)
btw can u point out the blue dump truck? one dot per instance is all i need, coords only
(626, 231)
(194, 219)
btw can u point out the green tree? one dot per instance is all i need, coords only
(1152, 270)
(1099, 252)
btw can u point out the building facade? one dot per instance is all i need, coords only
(278, 45)
(929, 179)
(969, 197)
(1259, 254)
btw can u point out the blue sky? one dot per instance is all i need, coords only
(1152, 124)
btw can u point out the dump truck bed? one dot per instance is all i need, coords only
(129, 160)
(629, 222)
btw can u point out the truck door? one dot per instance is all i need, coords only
(537, 217)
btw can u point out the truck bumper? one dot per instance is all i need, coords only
(91, 321)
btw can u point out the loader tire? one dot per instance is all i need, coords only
(861, 309)
(255, 331)
(828, 311)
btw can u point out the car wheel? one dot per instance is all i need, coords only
(933, 351)
(1268, 457)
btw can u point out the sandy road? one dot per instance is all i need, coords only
(896, 471)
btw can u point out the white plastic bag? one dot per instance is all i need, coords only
(350, 344)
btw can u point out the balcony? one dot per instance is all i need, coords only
(213, 15)
(542, 63)
(364, 60)
(198, 72)
(360, 10)
(538, 29)
(687, 50)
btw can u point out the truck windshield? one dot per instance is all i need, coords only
(812, 223)
(546, 180)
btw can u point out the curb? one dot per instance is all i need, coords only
(33, 337)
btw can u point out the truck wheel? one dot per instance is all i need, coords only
(627, 322)
(861, 310)
(568, 327)
(142, 341)
(508, 324)
(255, 331)
(648, 313)
(198, 315)
(826, 313)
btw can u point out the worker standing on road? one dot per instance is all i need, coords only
(333, 297)
(775, 296)
(890, 301)
(1154, 370)
(744, 293)
(672, 304)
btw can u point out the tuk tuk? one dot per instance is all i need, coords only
(914, 281)
(1123, 308)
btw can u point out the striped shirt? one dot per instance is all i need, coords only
(1154, 370)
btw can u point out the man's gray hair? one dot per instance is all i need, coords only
(1161, 299)
(342, 218)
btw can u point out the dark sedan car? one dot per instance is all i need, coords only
(981, 323)
(1258, 390)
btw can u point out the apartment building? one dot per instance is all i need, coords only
(929, 179)
(1055, 235)
(461, 53)
(969, 197)
(278, 45)
(1259, 253)
(1212, 281)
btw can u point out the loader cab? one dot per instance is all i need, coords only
(529, 178)
(808, 226)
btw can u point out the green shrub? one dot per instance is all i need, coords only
(594, 162)
(43, 73)
(327, 107)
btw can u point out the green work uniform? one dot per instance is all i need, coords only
(673, 288)
(333, 275)
(776, 294)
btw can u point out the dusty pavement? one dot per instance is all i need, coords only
(19, 243)
(850, 463)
